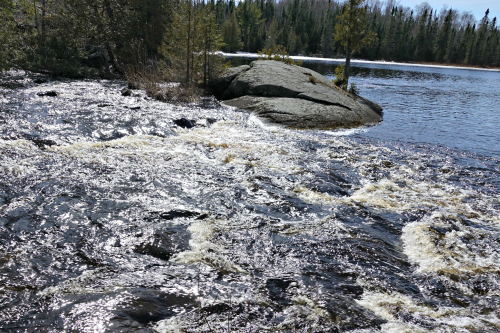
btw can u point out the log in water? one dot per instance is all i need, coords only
(113, 218)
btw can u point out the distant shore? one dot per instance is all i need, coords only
(380, 62)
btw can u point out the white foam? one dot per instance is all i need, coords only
(444, 319)
(204, 250)
(451, 252)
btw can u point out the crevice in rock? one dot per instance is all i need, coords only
(320, 101)
(262, 113)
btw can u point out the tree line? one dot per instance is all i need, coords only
(82, 37)
(422, 34)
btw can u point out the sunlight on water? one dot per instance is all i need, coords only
(117, 219)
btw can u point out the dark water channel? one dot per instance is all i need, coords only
(114, 219)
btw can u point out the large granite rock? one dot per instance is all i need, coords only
(295, 96)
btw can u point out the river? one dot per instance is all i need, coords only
(114, 219)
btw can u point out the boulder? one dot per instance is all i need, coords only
(184, 123)
(297, 97)
(222, 82)
(51, 93)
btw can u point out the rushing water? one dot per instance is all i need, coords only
(114, 219)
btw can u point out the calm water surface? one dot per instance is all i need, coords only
(114, 219)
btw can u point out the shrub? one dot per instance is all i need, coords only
(159, 86)
(340, 79)
(278, 53)
(312, 79)
(353, 89)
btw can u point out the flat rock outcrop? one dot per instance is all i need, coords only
(294, 96)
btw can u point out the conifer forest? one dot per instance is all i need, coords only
(82, 37)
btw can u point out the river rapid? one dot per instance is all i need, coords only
(114, 219)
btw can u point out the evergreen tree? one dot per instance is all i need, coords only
(443, 37)
(249, 15)
(327, 34)
(231, 34)
(420, 39)
(351, 31)
(451, 52)
(181, 45)
(470, 46)
(7, 38)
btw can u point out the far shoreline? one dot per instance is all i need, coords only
(377, 62)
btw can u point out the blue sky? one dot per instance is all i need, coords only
(476, 7)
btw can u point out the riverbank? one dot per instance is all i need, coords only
(360, 61)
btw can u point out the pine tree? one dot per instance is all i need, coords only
(483, 34)
(181, 44)
(327, 34)
(442, 39)
(451, 52)
(470, 46)
(351, 31)
(231, 34)
(7, 46)
(420, 48)
(249, 15)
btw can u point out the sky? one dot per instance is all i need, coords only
(476, 7)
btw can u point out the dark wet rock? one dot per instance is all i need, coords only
(164, 243)
(350, 289)
(50, 93)
(206, 122)
(184, 123)
(103, 105)
(148, 306)
(174, 214)
(126, 92)
(42, 143)
(277, 290)
(13, 83)
(350, 316)
(297, 97)
(211, 121)
(481, 287)
(40, 80)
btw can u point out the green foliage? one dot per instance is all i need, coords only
(231, 34)
(353, 89)
(250, 18)
(352, 32)
(340, 79)
(7, 35)
(189, 48)
(75, 37)
(278, 53)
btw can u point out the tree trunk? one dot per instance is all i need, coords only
(36, 16)
(188, 43)
(347, 71)
(43, 20)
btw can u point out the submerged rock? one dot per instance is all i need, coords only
(51, 93)
(40, 80)
(184, 123)
(126, 92)
(296, 97)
